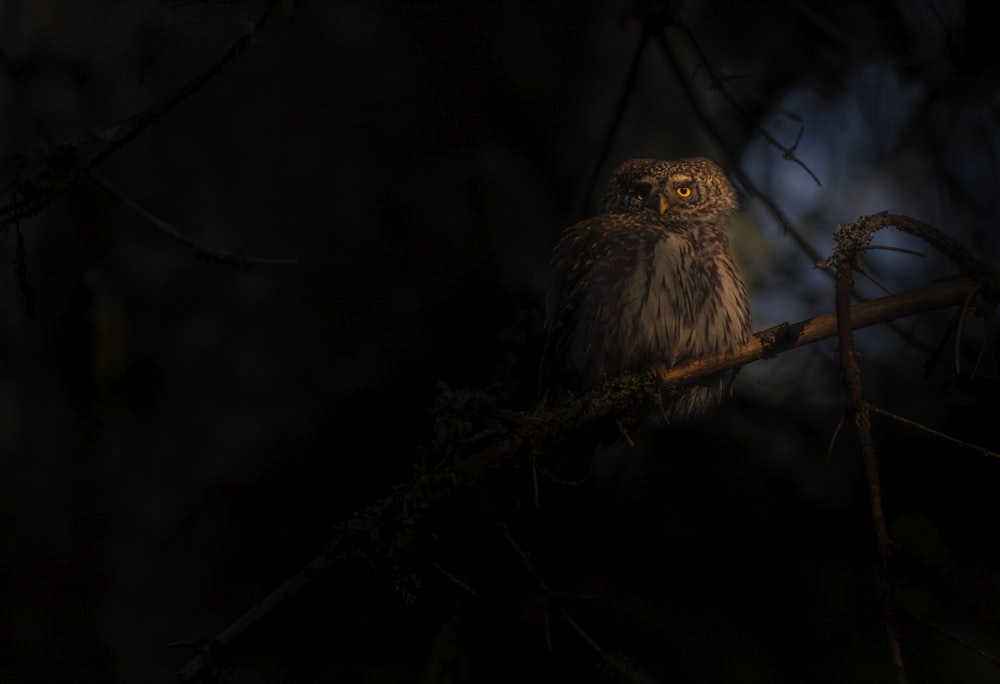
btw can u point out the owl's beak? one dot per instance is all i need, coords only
(663, 204)
(657, 202)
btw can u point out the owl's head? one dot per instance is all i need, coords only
(678, 189)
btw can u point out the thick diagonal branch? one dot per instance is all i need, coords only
(385, 527)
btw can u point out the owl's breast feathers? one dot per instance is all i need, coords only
(630, 290)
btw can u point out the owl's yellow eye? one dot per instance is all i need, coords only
(684, 191)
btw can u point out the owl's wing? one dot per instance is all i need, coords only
(619, 299)
(562, 301)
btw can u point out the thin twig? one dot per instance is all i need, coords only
(893, 248)
(963, 313)
(203, 664)
(728, 150)
(948, 635)
(21, 271)
(836, 435)
(67, 164)
(174, 234)
(787, 153)
(583, 635)
(948, 246)
(457, 582)
(616, 118)
(615, 662)
(932, 431)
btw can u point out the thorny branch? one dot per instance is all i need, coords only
(477, 438)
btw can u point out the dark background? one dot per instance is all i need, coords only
(178, 435)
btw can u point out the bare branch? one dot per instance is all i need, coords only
(862, 423)
(454, 580)
(728, 149)
(174, 234)
(203, 665)
(787, 153)
(616, 662)
(851, 240)
(21, 271)
(854, 237)
(786, 336)
(953, 637)
(616, 117)
(387, 527)
(932, 431)
(962, 314)
(57, 170)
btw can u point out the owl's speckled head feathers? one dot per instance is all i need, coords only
(677, 189)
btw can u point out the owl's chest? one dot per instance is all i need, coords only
(671, 299)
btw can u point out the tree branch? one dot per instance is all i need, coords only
(787, 336)
(701, 112)
(388, 528)
(219, 255)
(57, 170)
(852, 239)
(616, 662)
(862, 423)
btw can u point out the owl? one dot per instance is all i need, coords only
(649, 280)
